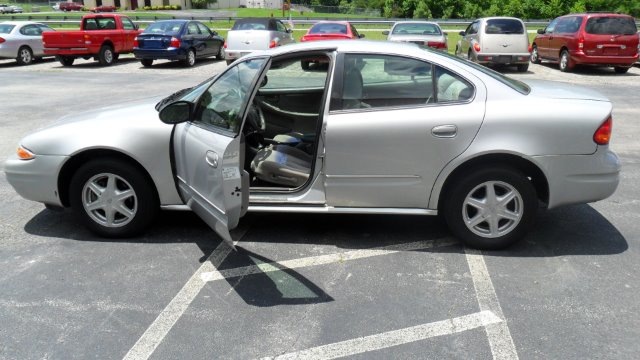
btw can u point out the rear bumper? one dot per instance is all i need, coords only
(36, 179)
(7, 52)
(579, 57)
(236, 54)
(69, 51)
(577, 179)
(488, 58)
(157, 54)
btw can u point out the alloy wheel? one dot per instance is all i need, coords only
(492, 209)
(109, 200)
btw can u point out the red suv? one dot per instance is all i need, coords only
(590, 39)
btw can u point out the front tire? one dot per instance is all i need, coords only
(566, 64)
(25, 56)
(492, 208)
(113, 198)
(106, 57)
(190, 60)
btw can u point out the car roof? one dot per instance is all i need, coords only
(332, 22)
(415, 22)
(17, 23)
(597, 14)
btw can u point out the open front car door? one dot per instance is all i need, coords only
(209, 147)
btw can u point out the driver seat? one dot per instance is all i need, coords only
(282, 164)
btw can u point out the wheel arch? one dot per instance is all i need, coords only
(77, 160)
(527, 167)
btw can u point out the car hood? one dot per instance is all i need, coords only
(558, 90)
(110, 127)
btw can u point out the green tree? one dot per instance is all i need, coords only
(422, 10)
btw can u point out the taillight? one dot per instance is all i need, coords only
(530, 48)
(273, 44)
(175, 42)
(2, 40)
(581, 42)
(476, 47)
(135, 42)
(603, 134)
(436, 44)
(225, 45)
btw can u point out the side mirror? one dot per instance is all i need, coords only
(386, 32)
(214, 33)
(361, 36)
(541, 31)
(176, 113)
(462, 33)
(289, 31)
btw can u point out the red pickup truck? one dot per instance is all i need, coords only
(103, 37)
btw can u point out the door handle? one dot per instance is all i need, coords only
(444, 131)
(212, 159)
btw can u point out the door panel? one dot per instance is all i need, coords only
(209, 150)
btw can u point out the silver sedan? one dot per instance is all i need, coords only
(22, 40)
(397, 129)
(418, 32)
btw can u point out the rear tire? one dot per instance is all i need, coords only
(65, 60)
(535, 57)
(566, 64)
(146, 62)
(113, 198)
(220, 54)
(621, 69)
(190, 60)
(523, 67)
(491, 208)
(229, 62)
(106, 57)
(25, 56)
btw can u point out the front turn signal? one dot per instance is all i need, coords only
(24, 154)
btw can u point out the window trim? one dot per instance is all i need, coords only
(336, 91)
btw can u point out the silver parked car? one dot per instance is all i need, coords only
(418, 32)
(496, 40)
(397, 129)
(22, 40)
(251, 34)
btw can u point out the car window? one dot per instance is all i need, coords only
(504, 26)
(127, 24)
(203, 29)
(452, 87)
(354, 31)
(378, 81)
(551, 27)
(474, 27)
(220, 106)
(169, 27)
(99, 24)
(569, 24)
(297, 73)
(416, 29)
(30, 30)
(192, 29)
(328, 28)
(6, 28)
(614, 25)
(280, 27)
(44, 28)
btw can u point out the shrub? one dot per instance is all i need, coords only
(178, 7)
(167, 7)
(147, 7)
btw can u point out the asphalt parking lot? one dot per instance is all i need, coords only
(309, 286)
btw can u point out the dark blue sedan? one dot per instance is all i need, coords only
(183, 40)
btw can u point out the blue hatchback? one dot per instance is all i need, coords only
(183, 40)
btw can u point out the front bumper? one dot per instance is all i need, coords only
(579, 57)
(486, 58)
(158, 54)
(577, 179)
(36, 179)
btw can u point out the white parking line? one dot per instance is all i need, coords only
(500, 340)
(158, 330)
(394, 338)
(323, 259)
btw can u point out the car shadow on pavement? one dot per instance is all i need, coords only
(6, 64)
(588, 70)
(94, 64)
(166, 64)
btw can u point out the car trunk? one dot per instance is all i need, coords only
(314, 37)
(504, 43)
(420, 39)
(153, 41)
(238, 40)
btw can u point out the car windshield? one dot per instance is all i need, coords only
(614, 25)
(416, 29)
(516, 85)
(6, 28)
(251, 24)
(328, 28)
(504, 26)
(164, 27)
